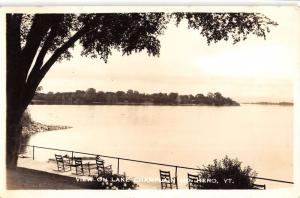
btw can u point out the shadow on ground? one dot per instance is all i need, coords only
(27, 179)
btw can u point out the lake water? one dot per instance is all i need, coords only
(258, 135)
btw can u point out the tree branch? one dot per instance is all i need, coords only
(46, 46)
(58, 52)
(39, 28)
(40, 59)
(36, 77)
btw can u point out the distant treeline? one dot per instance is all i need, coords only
(91, 96)
(272, 103)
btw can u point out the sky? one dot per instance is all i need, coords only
(249, 71)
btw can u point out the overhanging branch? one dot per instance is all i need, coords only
(37, 75)
(39, 28)
(40, 59)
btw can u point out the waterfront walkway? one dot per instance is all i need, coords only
(28, 162)
(26, 179)
(33, 174)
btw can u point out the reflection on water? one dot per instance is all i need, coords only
(259, 136)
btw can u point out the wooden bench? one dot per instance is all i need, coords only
(166, 181)
(101, 169)
(193, 181)
(62, 163)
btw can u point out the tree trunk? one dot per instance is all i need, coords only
(13, 133)
(15, 108)
(14, 111)
(14, 86)
(21, 86)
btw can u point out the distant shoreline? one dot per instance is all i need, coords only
(131, 97)
(271, 103)
(136, 104)
(152, 104)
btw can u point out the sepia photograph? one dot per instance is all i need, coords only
(189, 99)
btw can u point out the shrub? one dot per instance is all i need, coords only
(229, 175)
(26, 119)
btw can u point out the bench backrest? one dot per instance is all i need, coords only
(59, 158)
(78, 160)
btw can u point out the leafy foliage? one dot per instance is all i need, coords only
(241, 178)
(223, 26)
(126, 32)
(134, 32)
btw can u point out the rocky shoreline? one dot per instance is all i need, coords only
(36, 127)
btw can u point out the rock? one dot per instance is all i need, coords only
(36, 127)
